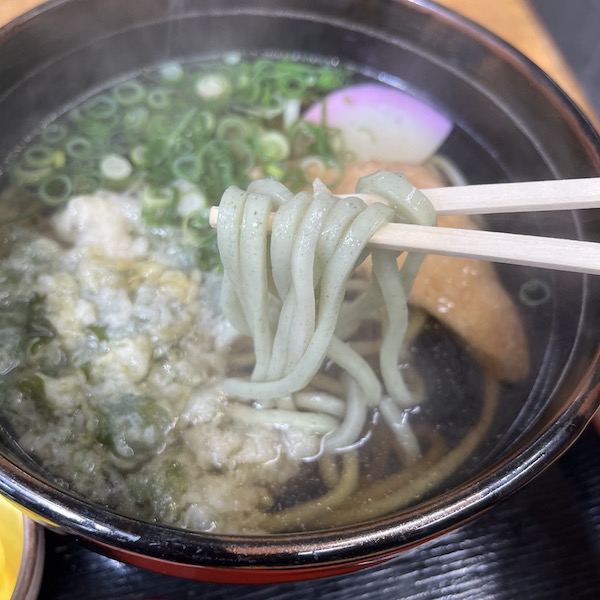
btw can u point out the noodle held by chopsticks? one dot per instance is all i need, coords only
(287, 290)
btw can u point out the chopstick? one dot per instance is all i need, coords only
(559, 194)
(527, 250)
(510, 248)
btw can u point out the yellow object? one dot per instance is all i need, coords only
(11, 547)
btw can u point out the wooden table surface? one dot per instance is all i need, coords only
(516, 22)
(513, 20)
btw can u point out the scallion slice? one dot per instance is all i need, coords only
(241, 153)
(99, 107)
(183, 146)
(276, 170)
(171, 72)
(213, 86)
(159, 99)
(115, 167)
(271, 108)
(56, 190)
(203, 124)
(273, 146)
(85, 183)
(153, 198)
(99, 128)
(139, 157)
(38, 156)
(196, 230)
(187, 167)
(54, 133)
(129, 93)
(235, 128)
(192, 202)
(159, 205)
(78, 147)
(136, 118)
(27, 175)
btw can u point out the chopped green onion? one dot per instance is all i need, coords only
(129, 93)
(276, 171)
(159, 99)
(159, 205)
(59, 159)
(85, 183)
(78, 147)
(138, 156)
(292, 86)
(310, 138)
(187, 167)
(75, 114)
(314, 166)
(99, 128)
(86, 164)
(161, 126)
(331, 79)
(327, 169)
(192, 202)
(213, 86)
(272, 108)
(38, 156)
(29, 176)
(196, 229)
(117, 142)
(272, 146)
(241, 153)
(54, 133)
(233, 128)
(153, 198)
(115, 167)
(145, 129)
(100, 107)
(178, 130)
(183, 146)
(56, 190)
(171, 72)
(203, 124)
(136, 118)
(291, 112)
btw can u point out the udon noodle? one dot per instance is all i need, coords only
(287, 291)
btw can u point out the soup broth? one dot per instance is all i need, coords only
(113, 345)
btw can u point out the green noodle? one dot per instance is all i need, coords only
(287, 291)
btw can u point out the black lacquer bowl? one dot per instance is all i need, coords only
(511, 123)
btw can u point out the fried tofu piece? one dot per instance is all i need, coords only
(464, 294)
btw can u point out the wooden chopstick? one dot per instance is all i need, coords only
(509, 248)
(528, 196)
(527, 250)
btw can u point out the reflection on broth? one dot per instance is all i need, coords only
(116, 354)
